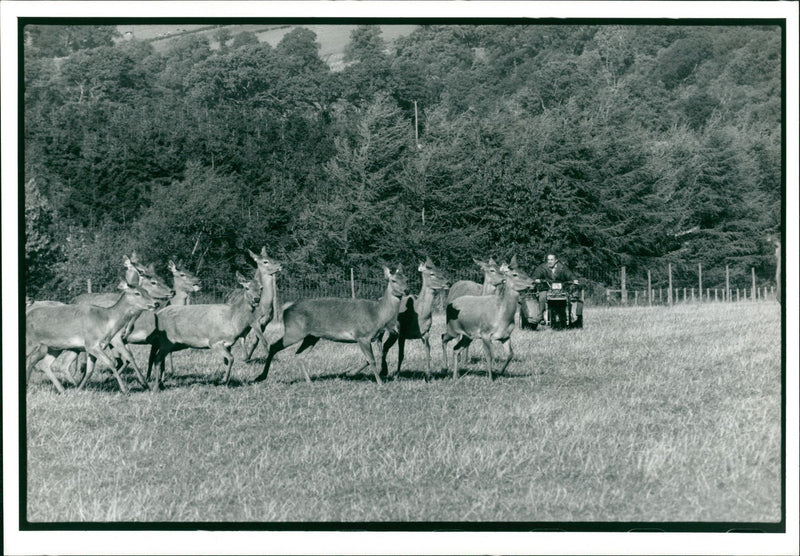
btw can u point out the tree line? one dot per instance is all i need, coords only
(609, 145)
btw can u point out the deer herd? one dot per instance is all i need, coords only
(146, 311)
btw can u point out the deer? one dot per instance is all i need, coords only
(360, 321)
(491, 279)
(205, 326)
(51, 329)
(414, 318)
(266, 270)
(135, 274)
(489, 318)
(184, 283)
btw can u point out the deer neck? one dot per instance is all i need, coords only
(424, 304)
(242, 312)
(488, 288)
(389, 306)
(120, 314)
(509, 301)
(267, 293)
(181, 297)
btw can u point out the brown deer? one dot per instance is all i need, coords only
(360, 321)
(55, 328)
(488, 318)
(205, 326)
(414, 319)
(492, 277)
(158, 289)
(266, 274)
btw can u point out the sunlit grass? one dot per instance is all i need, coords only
(645, 415)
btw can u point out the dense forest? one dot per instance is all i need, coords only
(608, 145)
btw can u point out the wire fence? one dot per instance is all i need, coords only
(618, 289)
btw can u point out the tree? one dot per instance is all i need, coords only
(49, 41)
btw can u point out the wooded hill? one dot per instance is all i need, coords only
(609, 145)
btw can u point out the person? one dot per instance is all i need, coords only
(553, 270)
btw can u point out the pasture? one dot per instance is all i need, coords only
(647, 414)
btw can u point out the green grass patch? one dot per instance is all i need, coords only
(645, 415)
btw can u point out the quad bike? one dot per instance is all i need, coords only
(558, 314)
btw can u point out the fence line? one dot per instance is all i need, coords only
(349, 284)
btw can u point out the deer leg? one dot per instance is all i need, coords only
(49, 372)
(127, 358)
(487, 346)
(220, 349)
(510, 354)
(366, 349)
(387, 345)
(401, 348)
(462, 343)
(273, 349)
(308, 342)
(34, 356)
(100, 355)
(90, 365)
(446, 338)
(426, 342)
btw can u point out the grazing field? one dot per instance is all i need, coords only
(645, 415)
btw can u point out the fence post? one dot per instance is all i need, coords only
(660, 295)
(727, 284)
(669, 292)
(715, 295)
(692, 295)
(700, 280)
(708, 294)
(753, 290)
(624, 287)
(649, 289)
(737, 294)
(89, 285)
(684, 295)
(636, 298)
(352, 284)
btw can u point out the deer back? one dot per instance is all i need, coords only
(203, 325)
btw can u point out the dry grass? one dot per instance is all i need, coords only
(645, 415)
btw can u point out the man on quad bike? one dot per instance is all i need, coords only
(553, 270)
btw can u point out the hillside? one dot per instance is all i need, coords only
(332, 38)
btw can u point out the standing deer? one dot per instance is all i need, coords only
(492, 277)
(89, 328)
(266, 274)
(414, 318)
(360, 321)
(205, 326)
(486, 317)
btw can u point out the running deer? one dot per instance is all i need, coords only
(205, 326)
(266, 274)
(414, 318)
(136, 274)
(492, 277)
(488, 318)
(56, 328)
(185, 283)
(360, 321)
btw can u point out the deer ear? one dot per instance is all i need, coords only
(171, 266)
(252, 255)
(491, 262)
(127, 261)
(386, 272)
(123, 286)
(422, 267)
(241, 279)
(264, 251)
(399, 269)
(429, 262)
(513, 263)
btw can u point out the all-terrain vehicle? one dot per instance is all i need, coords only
(558, 314)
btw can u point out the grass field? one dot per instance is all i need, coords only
(645, 415)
